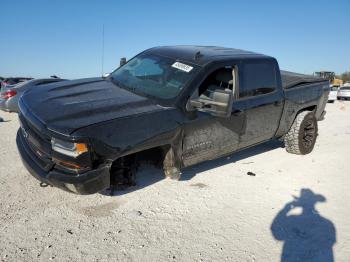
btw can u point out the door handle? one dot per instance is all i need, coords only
(237, 112)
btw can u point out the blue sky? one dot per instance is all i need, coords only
(41, 38)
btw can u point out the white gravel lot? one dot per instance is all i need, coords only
(215, 213)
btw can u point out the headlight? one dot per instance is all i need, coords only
(68, 148)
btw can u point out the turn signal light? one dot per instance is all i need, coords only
(81, 148)
(69, 165)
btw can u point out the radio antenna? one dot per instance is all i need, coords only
(103, 49)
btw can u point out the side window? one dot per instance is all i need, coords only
(221, 78)
(257, 78)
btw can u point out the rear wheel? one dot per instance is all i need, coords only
(301, 137)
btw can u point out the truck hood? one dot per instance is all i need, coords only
(64, 107)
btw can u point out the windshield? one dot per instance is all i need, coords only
(345, 88)
(155, 76)
(334, 88)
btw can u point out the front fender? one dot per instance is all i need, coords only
(113, 139)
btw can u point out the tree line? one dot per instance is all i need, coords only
(344, 76)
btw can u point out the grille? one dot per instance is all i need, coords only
(39, 144)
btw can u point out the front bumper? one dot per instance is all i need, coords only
(89, 182)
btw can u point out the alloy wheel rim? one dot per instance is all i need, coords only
(309, 133)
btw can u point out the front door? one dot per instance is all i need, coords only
(208, 137)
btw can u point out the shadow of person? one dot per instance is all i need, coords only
(308, 236)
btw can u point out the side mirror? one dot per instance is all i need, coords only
(122, 61)
(217, 103)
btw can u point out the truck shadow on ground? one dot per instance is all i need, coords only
(306, 236)
(148, 175)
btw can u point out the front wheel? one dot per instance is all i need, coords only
(301, 137)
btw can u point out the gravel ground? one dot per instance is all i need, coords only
(215, 213)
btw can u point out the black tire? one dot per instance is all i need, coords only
(301, 137)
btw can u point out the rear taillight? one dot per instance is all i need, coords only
(8, 94)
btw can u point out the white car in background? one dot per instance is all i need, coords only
(344, 92)
(333, 94)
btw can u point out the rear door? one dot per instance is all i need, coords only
(260, 100)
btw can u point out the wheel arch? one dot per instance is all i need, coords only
(312, 108)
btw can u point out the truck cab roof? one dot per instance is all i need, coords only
(202, 55)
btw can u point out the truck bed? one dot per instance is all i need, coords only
(300, 92)
(290, 79)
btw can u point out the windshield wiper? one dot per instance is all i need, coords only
(132, 89)
(118, 83)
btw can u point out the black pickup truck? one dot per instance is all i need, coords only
(180, 105)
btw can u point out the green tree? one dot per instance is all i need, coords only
(345, 76)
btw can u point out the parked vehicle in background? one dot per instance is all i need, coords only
(344, 93)
(9, 94)
(331, 77)
(333, 94)
(347, 84)
(180, 105)
(12, 81)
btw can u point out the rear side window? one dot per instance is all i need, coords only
(257, 78)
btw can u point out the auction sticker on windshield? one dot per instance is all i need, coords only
(182, 66)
